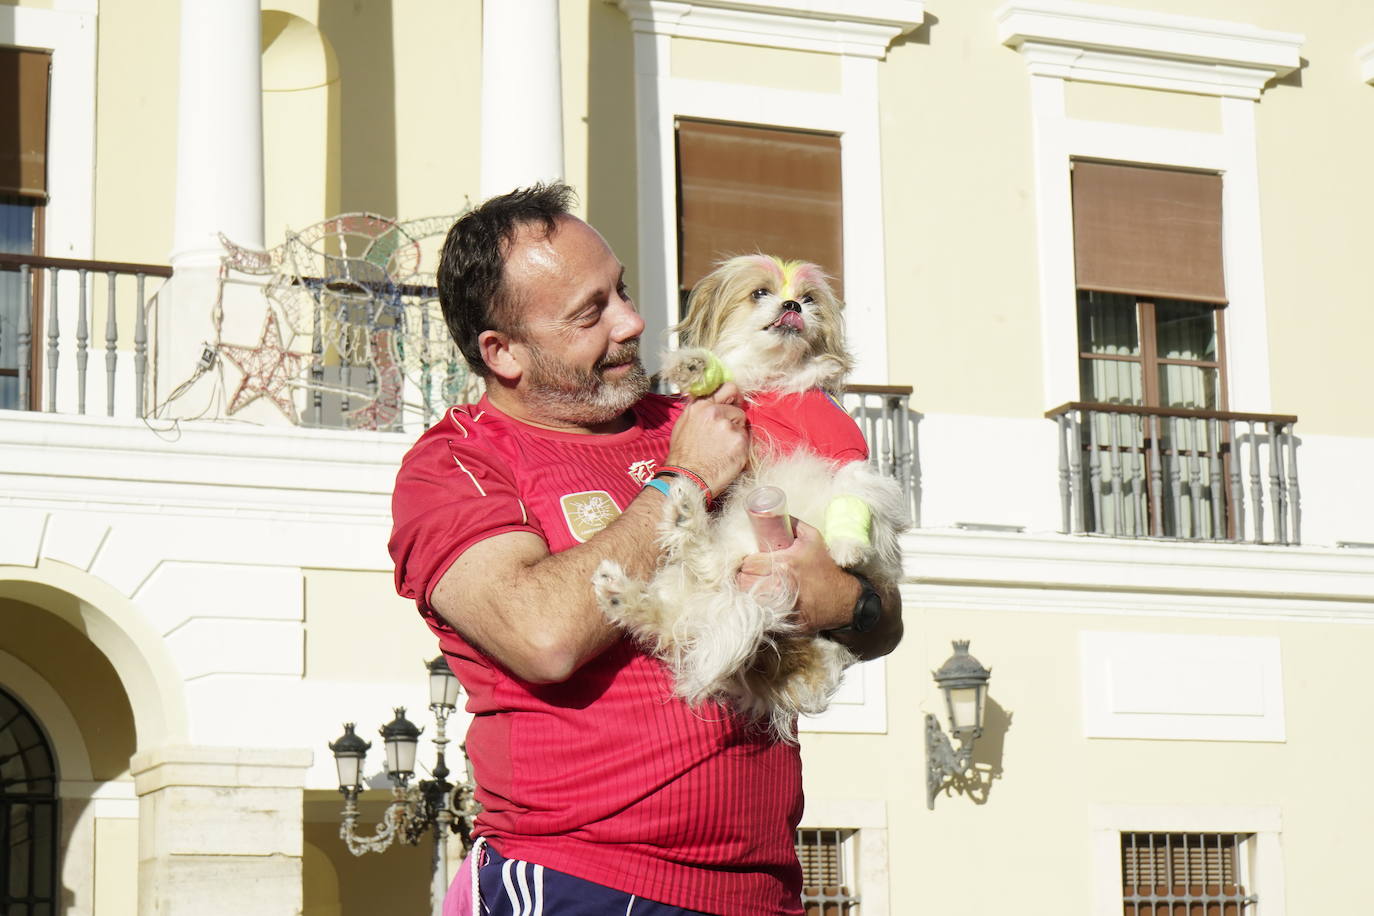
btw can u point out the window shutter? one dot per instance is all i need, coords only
(24, 122)
(745, 189)
(1148, 232)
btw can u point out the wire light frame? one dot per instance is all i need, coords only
(1184, 874)
(353, 290)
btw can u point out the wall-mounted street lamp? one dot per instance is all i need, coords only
(964, 681)
(431, 805)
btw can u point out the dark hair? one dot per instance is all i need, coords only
(472, 263)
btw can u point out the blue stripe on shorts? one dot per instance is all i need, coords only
(511, 887)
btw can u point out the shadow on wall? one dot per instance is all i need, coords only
(362, 37)
(612, 190)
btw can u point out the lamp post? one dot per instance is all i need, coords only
(431, 805)
(964, 681)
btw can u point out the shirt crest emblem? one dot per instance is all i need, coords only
(589, 512)
(642, 472)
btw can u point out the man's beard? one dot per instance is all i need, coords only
(585, 396)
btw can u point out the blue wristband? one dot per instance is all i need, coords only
(658, 485)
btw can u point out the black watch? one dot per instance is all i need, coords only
(868, 610)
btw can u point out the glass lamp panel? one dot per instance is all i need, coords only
(450, 690)
(438, 688)
(1185, 330)
(963, 708)
(350, 769)
(400, 756)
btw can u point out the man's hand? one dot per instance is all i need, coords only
(826, 594)
(711, 439)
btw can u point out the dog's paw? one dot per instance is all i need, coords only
(849, 552)
(695, 371)
(613, 590)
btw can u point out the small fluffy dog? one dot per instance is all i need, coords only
(775, 328)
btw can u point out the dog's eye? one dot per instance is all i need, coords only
(807, 300)
(759, 294)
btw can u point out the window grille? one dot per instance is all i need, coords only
(1197, 874)
(28, 815)
(827, 879)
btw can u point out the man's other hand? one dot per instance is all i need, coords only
(711, 438)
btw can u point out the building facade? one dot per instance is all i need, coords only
(1106, 261)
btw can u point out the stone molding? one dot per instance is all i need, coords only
(1105, 44)
(859, 28)
(219, 767)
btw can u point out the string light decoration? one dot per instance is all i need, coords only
(268, 370)
(354, 288)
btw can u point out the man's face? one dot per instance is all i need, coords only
(577, 339)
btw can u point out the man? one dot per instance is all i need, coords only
(601, 792)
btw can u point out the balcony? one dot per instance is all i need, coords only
(348, 346)
(1143, 472)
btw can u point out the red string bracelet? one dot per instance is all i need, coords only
(672, 470)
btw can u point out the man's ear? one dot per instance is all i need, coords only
(496, 350)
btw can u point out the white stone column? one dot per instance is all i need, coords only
(219, 183)
(220, 830)
(522, 94)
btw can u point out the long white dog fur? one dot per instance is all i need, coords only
(776, 326)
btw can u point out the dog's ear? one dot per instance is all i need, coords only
(830, 342)
(705, 317)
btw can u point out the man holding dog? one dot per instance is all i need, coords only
(602, 792)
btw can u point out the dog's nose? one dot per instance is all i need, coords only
(792, 305)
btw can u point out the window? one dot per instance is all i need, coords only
(1150, 302)
(827, 870)
(23, 192)
(1199, 874)
(28, 815)
(744, 189)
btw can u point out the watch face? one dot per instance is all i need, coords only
(867, 611)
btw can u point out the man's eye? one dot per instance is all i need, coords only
(759, 294)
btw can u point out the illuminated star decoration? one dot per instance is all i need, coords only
(268, 370)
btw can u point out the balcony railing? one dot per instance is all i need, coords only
(883, 413)
(1146, 472)
(56, 310)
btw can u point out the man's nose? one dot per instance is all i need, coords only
(630, 324)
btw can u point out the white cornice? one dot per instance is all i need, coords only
(1077, 574)
(1365, 56)
(859, 28)
(1106, 44)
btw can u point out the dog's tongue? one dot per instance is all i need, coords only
(790, 319)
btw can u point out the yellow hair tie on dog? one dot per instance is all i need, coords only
(712, 377)
(847, 518)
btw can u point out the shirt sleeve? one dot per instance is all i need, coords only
(451, 492)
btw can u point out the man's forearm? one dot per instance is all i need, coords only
(542, 622)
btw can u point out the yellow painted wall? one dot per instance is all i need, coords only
(337, 883)
(958, 209)
(138, 44)
(81, 675)
(775, 68)
(599, 123)
(116, 866)
(1033, 832)
(351, 616)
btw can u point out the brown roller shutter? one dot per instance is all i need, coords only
(24, 122)
(743, 189)
(1148, 232)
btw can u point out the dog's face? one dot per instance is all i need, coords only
(763, 309)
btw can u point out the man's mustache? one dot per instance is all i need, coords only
(627, 352)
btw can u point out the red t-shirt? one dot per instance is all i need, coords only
(808, 419)
(607, 776)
